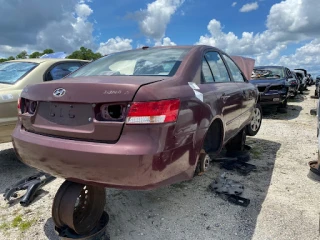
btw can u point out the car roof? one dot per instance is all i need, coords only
(50, 60)
(268, 67)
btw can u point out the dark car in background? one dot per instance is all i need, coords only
(302, 75)
(137, 119)
(317, 83)
(274, 84)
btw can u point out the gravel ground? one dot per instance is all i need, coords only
(284, 202)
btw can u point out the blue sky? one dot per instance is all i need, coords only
(273, 32)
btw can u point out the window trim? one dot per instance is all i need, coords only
(244, 77)
(58, 63)
(202, 77)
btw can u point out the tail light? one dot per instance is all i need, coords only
(164, 111)
(110, 112)
(26, 106)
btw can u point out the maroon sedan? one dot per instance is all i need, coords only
(137, 119)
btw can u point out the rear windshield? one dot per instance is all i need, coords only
(11, 72)
(267, 72)
(149, 62)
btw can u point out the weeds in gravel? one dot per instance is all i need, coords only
(256, 152)
(23, 225)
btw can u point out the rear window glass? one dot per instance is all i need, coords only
(149, 62)
(11, 72)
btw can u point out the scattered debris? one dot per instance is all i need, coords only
(229, 190)
(227, 186)
(32, 184)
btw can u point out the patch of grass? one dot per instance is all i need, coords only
(256, 152)
(23, 225)
(4, 226)
(16, 221)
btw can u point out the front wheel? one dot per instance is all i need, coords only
(253, 128)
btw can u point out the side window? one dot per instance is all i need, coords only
(219, 70)
(61, 70)
(207, 75)
(234, 69)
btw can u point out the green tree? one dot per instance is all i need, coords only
(35, 55)
(85, 54)
(22, 55)
(11, 58)
(3, 60)
(47, 51)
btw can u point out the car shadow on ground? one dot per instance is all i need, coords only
(293, 112)
(12, 169)
(189, 210)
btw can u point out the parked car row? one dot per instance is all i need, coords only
(277, 83)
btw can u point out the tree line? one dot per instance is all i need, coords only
(83, 53)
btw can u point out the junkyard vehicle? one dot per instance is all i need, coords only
(302, 75)
(273, 84)
(294, 84)
(315, 165)
(137, 119)
(16, 74)
(317, 82)
(310, 80)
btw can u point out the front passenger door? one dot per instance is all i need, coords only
(246, 90)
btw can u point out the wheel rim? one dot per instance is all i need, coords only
(78, 206)
(256, 119)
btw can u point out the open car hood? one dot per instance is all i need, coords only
(245, 64)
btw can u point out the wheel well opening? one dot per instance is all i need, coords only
(213, 140)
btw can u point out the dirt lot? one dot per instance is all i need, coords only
(284, 202)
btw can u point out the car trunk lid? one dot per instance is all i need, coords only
(76, 114)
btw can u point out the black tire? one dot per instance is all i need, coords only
(284, 104)
(237, 143)
(254, 126)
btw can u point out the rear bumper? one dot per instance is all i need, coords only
(136, 161)
(272, 98)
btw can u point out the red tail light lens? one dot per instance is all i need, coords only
(153, 112)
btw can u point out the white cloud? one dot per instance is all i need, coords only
(307, 56)
(249, 7)
(115, 45)
(83, 10)
(60, 25)
(165, 42)
(288, 22)
(234, 4)
(153, 21)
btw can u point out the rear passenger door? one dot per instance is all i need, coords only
(60, 70)
(225, 92)
(246, 90)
